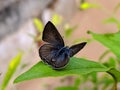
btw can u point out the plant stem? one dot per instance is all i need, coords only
(115, 81)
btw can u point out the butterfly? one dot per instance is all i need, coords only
(54, 52)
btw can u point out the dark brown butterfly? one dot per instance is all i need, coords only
(54, 53)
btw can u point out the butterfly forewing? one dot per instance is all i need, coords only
(76, 48)
(51, 35)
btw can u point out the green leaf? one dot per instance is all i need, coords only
(38, 24)
(110, 20)
(66, 88)
(76, 66)
(86, 5)
(69, 30)
(115, 74)
(77, 82)
(106, 80)
(11, 70)
(117, 7)
(104, 54)
(111, 62)
(56, 19)
(94, 77)
(82, 39)
(111, 41)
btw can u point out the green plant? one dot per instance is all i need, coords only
(14, 63)
(85, 5)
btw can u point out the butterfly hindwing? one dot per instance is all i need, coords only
(51, 55)
(47, 52)
(76, 48)
(51, 35)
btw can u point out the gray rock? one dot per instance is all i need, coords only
(13, 13)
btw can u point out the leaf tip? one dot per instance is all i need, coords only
(89, 32)
(15, 81)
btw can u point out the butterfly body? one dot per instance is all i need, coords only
(55, 53)
(61, 57)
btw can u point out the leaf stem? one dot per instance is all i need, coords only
(115, 80)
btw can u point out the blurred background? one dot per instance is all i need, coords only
(19, 33)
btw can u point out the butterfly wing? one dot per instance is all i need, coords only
(76, 48)
(51, 35)
(47, 52)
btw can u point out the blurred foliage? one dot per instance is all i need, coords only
(68, 30)
(106, 81)
(83, 39)
(111, 62)
(111, 41)
(112, 20)
(38, 24)
(14, 63)
(104, 54)
(86, 5)
(56, 19)
(66, 88)
(117, 8)
(115, 73)
(77, 82)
